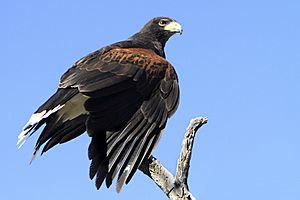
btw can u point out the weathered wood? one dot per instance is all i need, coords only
(175, 187)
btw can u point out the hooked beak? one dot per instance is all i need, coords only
(174, 27)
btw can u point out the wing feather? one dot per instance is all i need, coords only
(131, 94)
(127, 94)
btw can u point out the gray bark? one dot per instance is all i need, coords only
(175, 187)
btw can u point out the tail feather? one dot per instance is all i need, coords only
(59, 133)
(64, 116)
(34, 123)
(67, 131)
(52, 105)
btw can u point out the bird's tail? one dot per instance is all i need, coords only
(64, 117)
(34, 123)
(58, 132)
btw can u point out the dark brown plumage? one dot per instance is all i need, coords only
(122, 95)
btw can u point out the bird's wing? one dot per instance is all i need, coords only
(132, 92)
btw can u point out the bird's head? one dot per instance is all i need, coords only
(162, 28)
(155, 34)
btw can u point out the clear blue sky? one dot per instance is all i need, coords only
(238, 64)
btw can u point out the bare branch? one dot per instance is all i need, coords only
(159, 174)
(183, 164)
(176, 188)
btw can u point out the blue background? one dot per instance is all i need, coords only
(238, 64)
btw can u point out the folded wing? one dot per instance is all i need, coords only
(131, 94)
(122, 97)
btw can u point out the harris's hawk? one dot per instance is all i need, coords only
(122, 95)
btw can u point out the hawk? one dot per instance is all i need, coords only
(121, 95)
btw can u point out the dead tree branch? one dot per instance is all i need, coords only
(175, 187)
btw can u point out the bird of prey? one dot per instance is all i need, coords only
(121, 95)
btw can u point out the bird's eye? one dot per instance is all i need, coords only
(162, 22)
